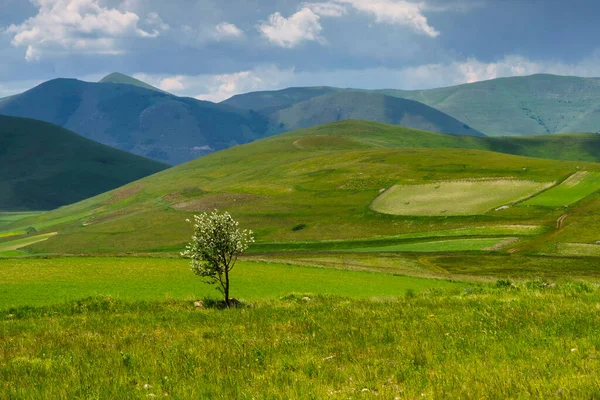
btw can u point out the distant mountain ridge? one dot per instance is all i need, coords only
(346, 105)
(117, 77)
(43, 166)
(517, 106)
(130, 115)
(145, 122)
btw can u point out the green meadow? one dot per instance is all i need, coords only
(38, 282)
(390, 263)
(525, 341)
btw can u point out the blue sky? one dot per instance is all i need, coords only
(213, 49)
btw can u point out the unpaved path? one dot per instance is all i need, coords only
(560, 221)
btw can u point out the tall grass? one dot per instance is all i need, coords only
(531, 341)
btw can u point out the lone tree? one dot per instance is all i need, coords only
(215, 247)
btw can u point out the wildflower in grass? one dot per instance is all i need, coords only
(216, 244)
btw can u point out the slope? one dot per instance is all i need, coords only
(43, 166)
(313, 185)
(274, 100)
(117, 77)
(371, 107)
(530, 105)
(145, 122)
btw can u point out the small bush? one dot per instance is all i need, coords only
(504, 284)
(298, 227)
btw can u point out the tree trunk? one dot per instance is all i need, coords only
(226, 287)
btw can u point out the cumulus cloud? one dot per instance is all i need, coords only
(84, 26)
(225, 30)
(395, 12)
(290, 32)
(220, 87)
(172, 84)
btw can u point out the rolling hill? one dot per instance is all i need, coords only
(518, 106)
(146, 122)
(43, 166)
(321, 183)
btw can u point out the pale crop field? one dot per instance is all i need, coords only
(466, 197)
(442, 246)
(577, 187)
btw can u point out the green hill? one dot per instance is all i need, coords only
(341, 106)
(319, 184)
(145, 122)
(43, 166)
(117, 77)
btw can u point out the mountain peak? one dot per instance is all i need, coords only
(117, 77)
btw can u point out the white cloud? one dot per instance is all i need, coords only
(220, 87)
(395, 12)
(153, 19)
(290, 32)
(327, 9)
(225, 30)
(172, 84)
(84, 26)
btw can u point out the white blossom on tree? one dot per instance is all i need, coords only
(215, 247)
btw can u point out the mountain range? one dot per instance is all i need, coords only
(517, 106)
(130, 115)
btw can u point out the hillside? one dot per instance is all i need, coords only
(341, 106)
(275, 100)
(530, 105)
(146, 122)
(519, 106)
(321, 184)
(123, 79)
(43, 166)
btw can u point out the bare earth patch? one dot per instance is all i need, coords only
(125, 193)
(217, 202)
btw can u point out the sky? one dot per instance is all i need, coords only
(214, 49)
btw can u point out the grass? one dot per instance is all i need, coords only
(332, 245)
(440, 246)
(531, 341)
(50, 281)
(454, 197)
(577, 187)
(24, 242)
(317, 185)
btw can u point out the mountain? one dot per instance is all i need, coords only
(530, 105)
(117, 77)
(43, 166)
(271, 101)
(339, 106)
(320, 184)
(146, 122)
(518, 106)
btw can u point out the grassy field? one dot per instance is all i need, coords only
(528, 341)
(313, 185)
(49, 281)
(577, 187)
(454, 197)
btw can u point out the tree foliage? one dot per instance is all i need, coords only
(216, 244)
